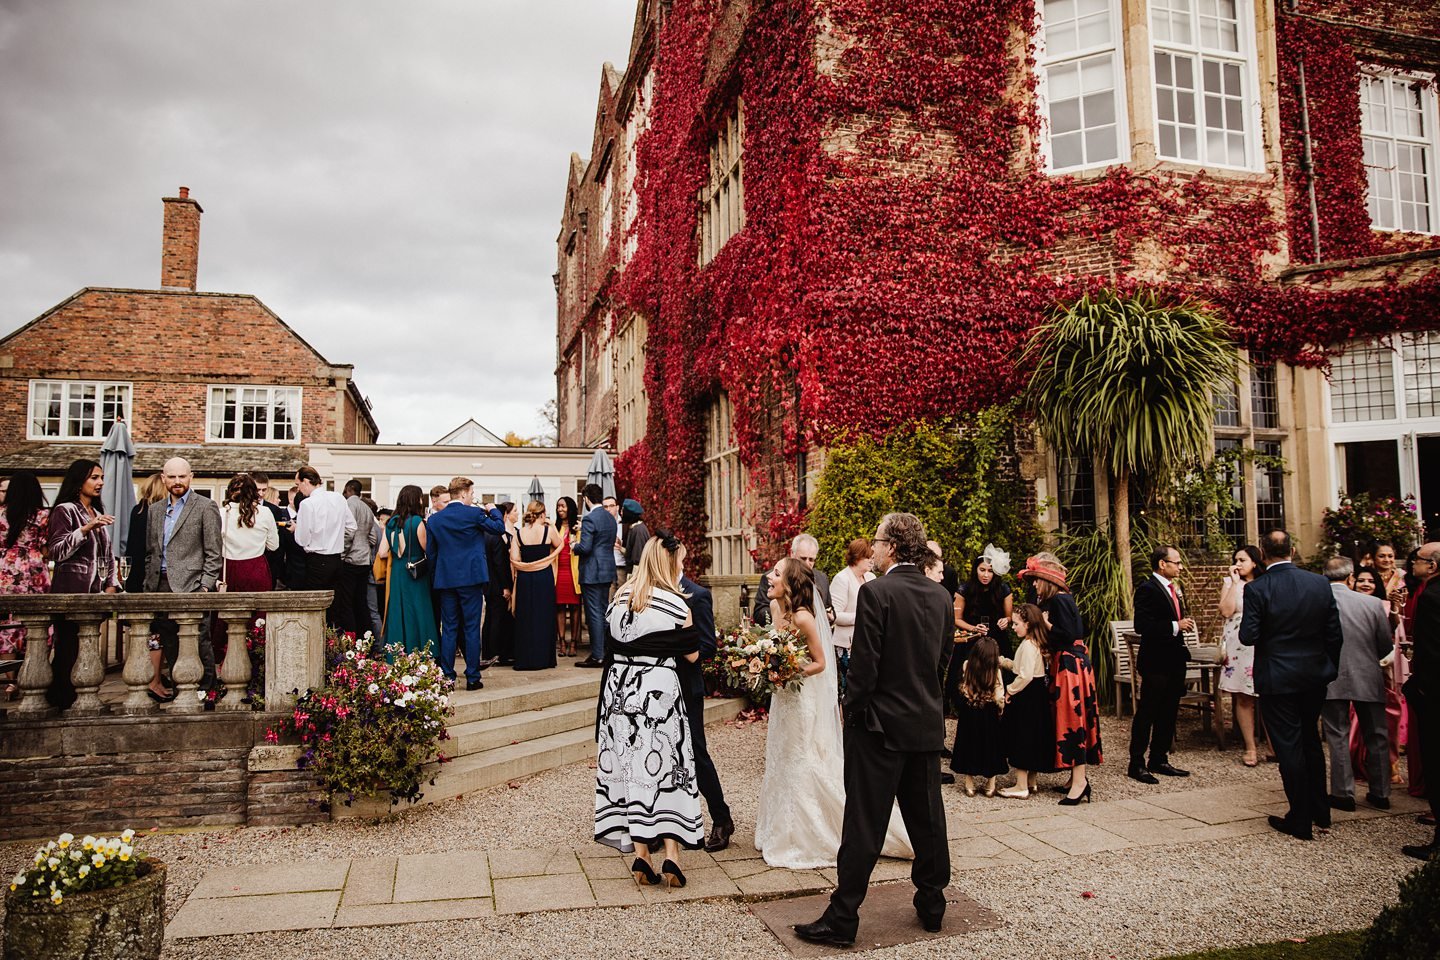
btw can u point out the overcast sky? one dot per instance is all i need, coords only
(372, 170)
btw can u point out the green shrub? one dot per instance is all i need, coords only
(1368, 520)
(1409, 927)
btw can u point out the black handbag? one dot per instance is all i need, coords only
(417, 568)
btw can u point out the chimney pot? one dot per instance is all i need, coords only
(184, 193)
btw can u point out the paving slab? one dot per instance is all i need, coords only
(774, 880)
(700, 884)
(388, 914)
(977, 847)
(532, 863)
(1206, 809)
(607, 868)
(1152, 832)
(266, 878)
(370, 881)
(1032, 849)
(462, 875)
(1083, 840)
(887, 919)
(224, 916)
(616, 893)
(569, 891)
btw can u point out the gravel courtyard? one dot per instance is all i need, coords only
(1139, 902)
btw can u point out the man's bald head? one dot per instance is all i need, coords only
(177, 476)
(1427, 561)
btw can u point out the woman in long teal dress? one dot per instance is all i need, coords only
(409, 614)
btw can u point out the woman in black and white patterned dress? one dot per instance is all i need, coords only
(645, 787)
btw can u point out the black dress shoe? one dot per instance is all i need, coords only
(1379, 803)
(931, 924)
(488, 663)
(474, 684)
(1420, 851)
(1343, 803)
(947, 777)
(589, 662)
(1165, 770)
(168, 698)
(821, 932)
(719, 838)
(1284, 826)
(1141, 774)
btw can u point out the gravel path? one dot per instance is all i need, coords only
(1147, 901)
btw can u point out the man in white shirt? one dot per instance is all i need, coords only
(324, 529)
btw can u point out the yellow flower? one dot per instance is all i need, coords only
(98, 860)
(57, 898)
(88, 842)
(125, 852)
(128, 835)
(65, 840)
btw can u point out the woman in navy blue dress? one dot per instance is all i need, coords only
(533, 551)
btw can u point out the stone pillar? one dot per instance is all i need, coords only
(294, 656)
(234, 673)
(138, 669)
(188, 669)
(89, 670)
(35, 672)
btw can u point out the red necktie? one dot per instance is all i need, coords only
(1175, 599)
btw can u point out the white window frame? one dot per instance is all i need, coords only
(722, 199)
(607, 209)
(637, 123)
(726, 483)
(1043, 64)
(100, 386)
(1429, 141)
(296, 416)
(1246, 35)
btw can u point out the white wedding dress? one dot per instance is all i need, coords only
(802, 797)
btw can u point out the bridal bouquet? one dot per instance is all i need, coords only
(761, 660)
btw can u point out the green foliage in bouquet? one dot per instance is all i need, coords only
(758, 661)
(66, 866)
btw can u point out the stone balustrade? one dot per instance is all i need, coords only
(294, 647)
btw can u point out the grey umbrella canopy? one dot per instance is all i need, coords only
(117, 459)
(536, 491)
(602, 472)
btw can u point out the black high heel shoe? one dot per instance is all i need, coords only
(673, 876)
(1076, 801)
(644, 874)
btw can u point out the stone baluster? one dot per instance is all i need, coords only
(89, 670)
(35, 672)
(235, 671)
(138, 669)
(188, 669)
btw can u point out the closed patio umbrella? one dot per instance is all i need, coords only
(536, 491)
(117, 460)
(602, 472)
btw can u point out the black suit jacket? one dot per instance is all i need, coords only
(1162, 649)
(1425, 667)
(1293, 622)
(497, 552)
(702, 612)
(902, 622)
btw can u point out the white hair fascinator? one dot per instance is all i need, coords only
(998, 559)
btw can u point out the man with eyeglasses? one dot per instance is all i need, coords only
(1422, 690)
(1161, 621)
(806, 549)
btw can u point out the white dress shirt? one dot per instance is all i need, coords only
(845, 597)
(247, 543)
(322, 523)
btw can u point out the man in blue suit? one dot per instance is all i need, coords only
(692, 681)
(457, 549)
(596, 549)
(1293, 622)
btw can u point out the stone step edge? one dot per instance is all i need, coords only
(522, 701)
(477, 736)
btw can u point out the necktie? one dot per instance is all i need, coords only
(1175, 599)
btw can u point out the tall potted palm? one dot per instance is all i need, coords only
(1131, 380)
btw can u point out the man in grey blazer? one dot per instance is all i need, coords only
(185, 556)
(1365, 627)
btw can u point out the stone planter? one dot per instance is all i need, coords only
(118, 923)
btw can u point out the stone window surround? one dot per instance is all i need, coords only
(1428, 141)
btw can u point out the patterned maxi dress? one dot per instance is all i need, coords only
(645, 787)
(23, 569)
(1072, 686)
(1238, 674)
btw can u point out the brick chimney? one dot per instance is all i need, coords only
(180, 248)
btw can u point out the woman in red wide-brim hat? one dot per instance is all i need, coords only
(1072, 680)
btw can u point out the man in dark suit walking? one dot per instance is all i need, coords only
(1422, 690)
(596, 549)
(894, 731)
(460, 572)
(1161, 622)
(1293, 622)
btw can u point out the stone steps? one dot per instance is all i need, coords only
(519, 725)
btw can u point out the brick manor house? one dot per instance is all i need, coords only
(217, 378)
(811, 216)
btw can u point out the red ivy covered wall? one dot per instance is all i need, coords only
(901, 239)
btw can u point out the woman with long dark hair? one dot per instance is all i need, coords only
(80, 547)
(567, 577)
(24, 529)
(1237, 677)
(984, 606)
(409, 612)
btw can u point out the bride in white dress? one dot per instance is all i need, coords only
(802, 797)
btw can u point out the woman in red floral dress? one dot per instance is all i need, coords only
(24, 530)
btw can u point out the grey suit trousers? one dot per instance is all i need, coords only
(1335, 716)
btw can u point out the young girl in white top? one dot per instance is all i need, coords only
(1029, 720)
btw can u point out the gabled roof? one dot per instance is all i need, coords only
(471, 433)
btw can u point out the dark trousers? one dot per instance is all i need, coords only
(460, 611)
(876, 777)
(1335, 717)
(352, 598)
(1293, 721)
(497, 635)
(322, 572)
(705, 774)
(1426, 716)
(1154, 725)
(595, 596)
(169, 632)
(65, 650)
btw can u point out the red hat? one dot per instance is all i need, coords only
(1044, 566)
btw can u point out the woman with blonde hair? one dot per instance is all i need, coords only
(645, 786)
(534, 550)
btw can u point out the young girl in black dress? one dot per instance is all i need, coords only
(1029, 719)
(979, 748)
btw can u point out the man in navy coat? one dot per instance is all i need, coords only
(692, 680)
(596, 549)
(1293, 622)
(457, 549)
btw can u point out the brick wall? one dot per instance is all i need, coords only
(1202, 583)
(180, 246)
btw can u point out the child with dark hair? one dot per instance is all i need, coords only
(979, 749)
